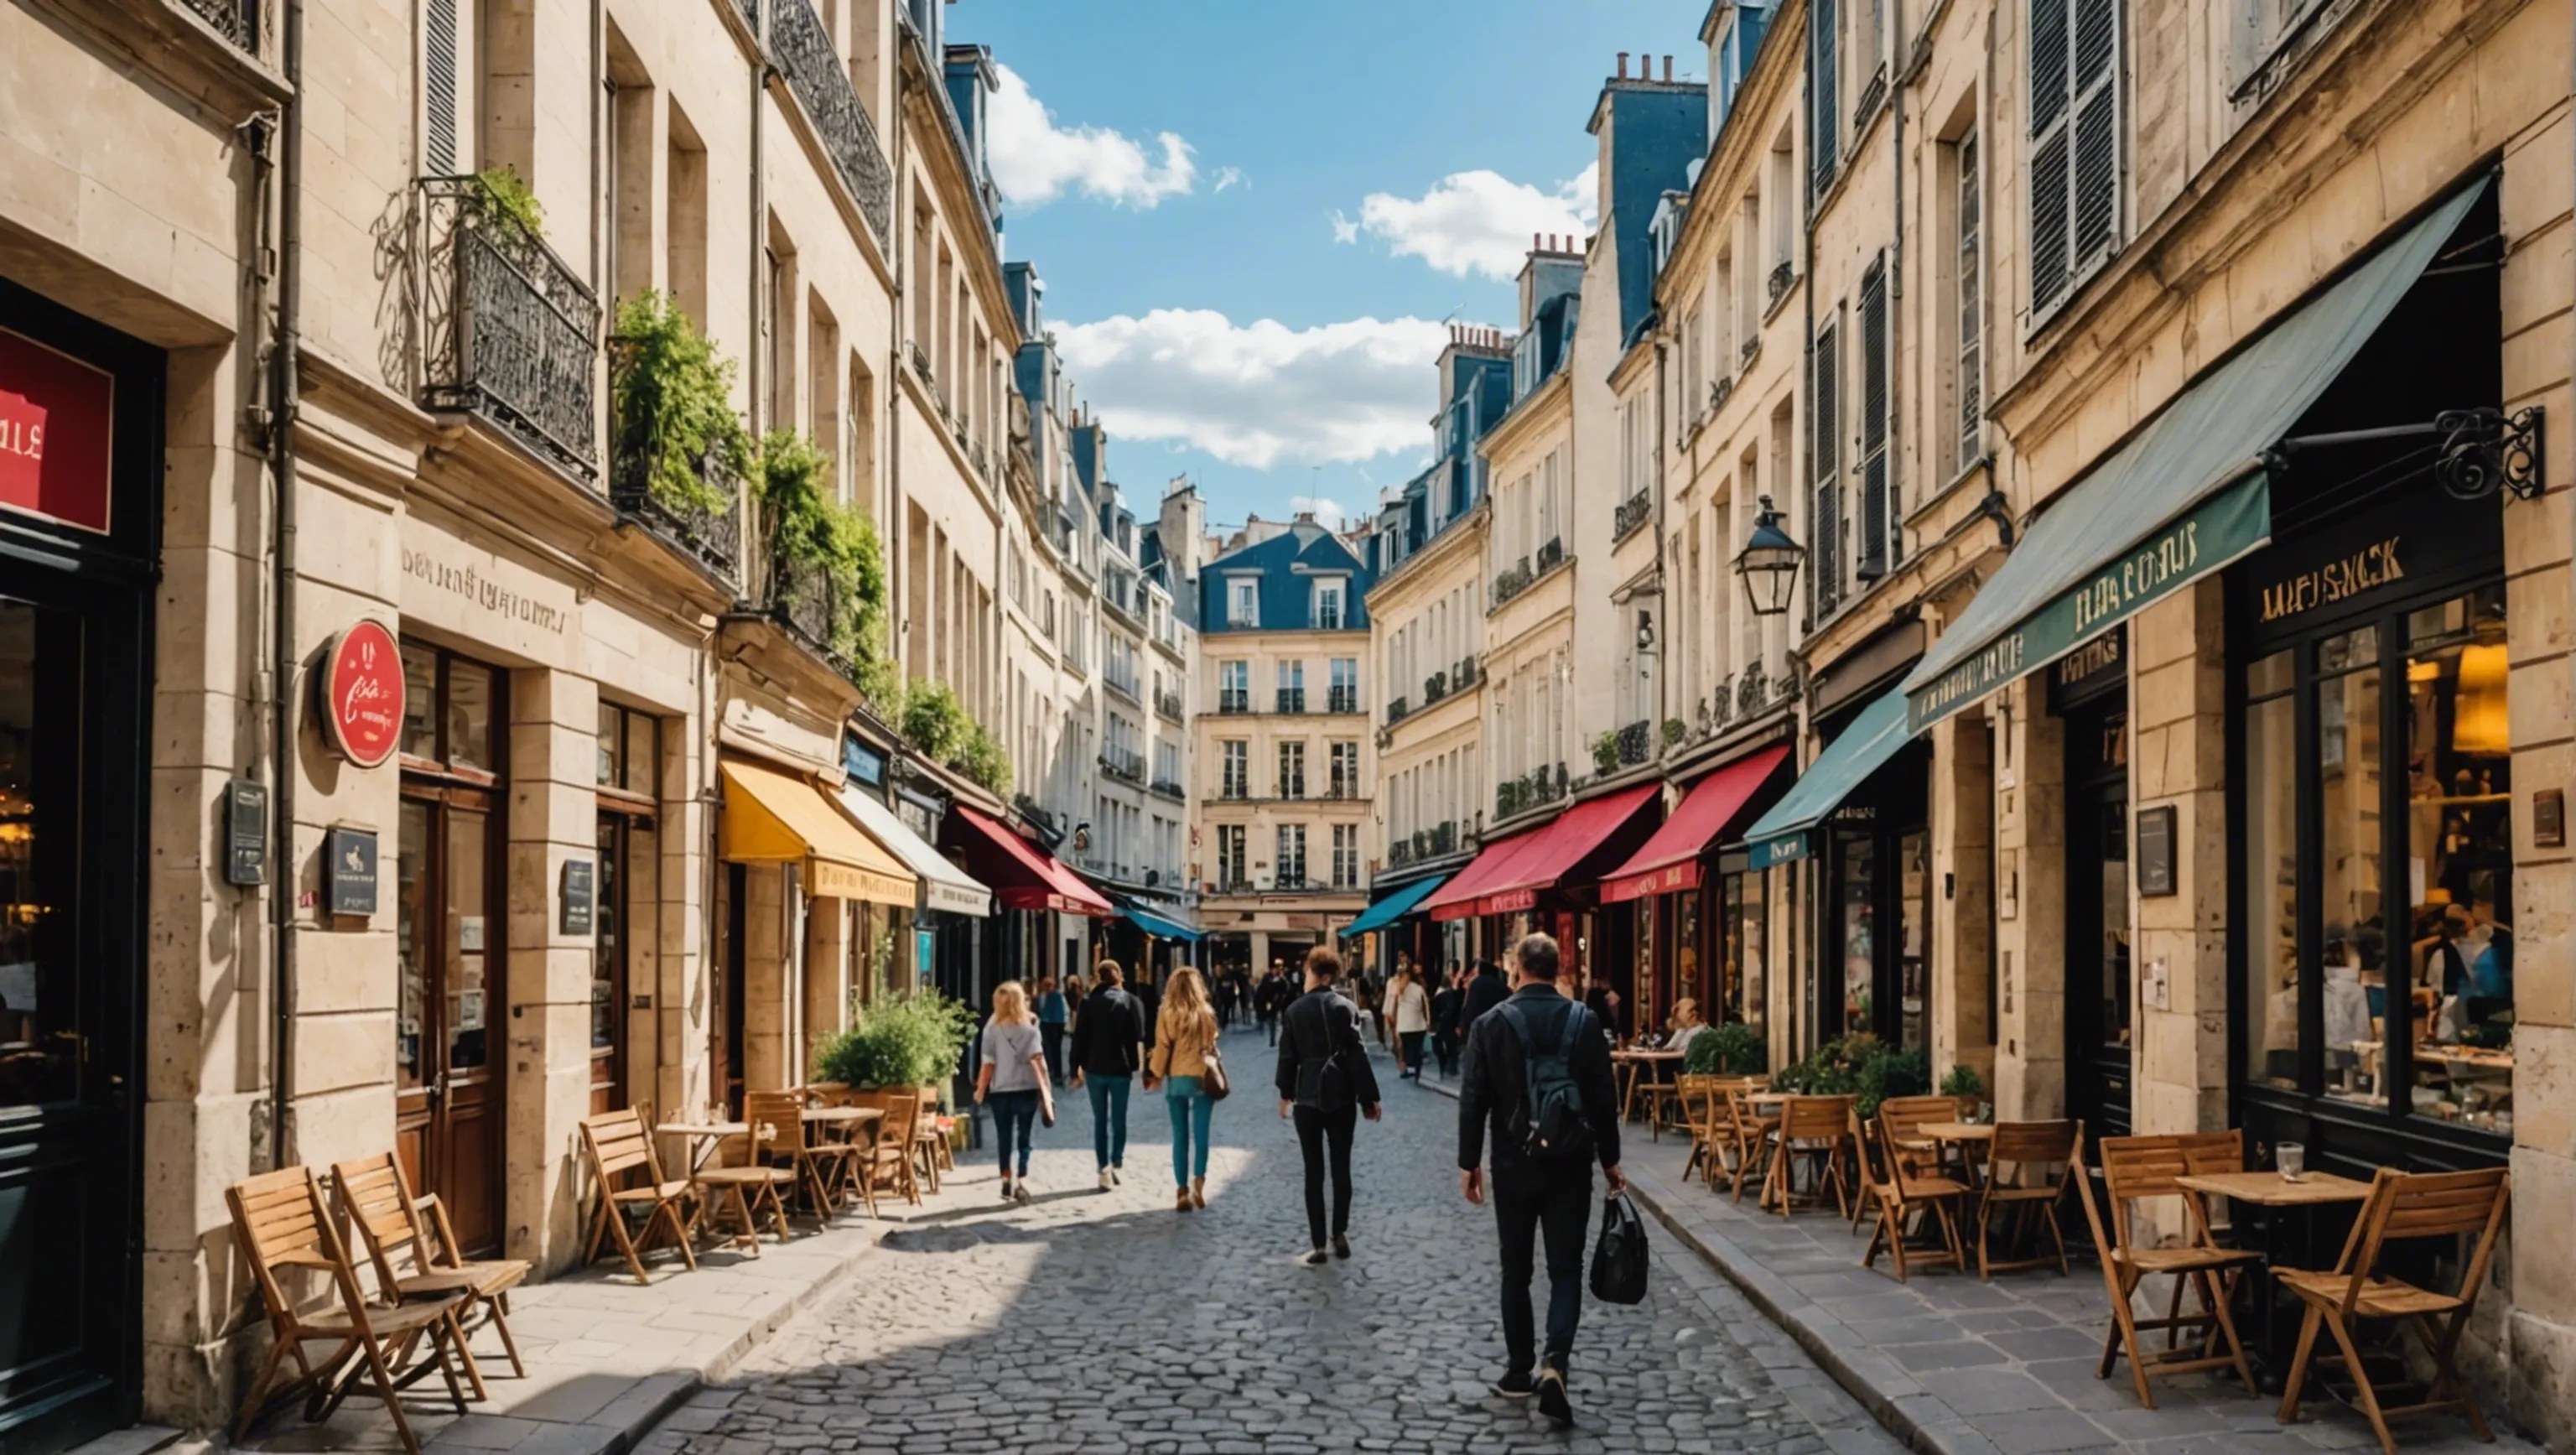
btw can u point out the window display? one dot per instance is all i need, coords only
(1747, 927)
(2459, 867)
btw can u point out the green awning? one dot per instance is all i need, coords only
(2185, 496)
(1155, 925)
(1396, 905)
(1846, 763)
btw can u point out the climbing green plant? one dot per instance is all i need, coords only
(934, 722)
(984, 761)
(509, 202)
(672, 394)
(812, 531)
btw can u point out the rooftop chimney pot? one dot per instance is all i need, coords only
(1668, 68)
(1623, 65)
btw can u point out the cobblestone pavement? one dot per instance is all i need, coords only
(1094, 1321)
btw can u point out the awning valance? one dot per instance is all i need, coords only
(1021, 873)
(1586, 839)
(771, 817)
(2185, 496)
(1394, 905)
(1670, 861)
(1154, 924)
(944, 886)
(1874, 737)
(1457, 898)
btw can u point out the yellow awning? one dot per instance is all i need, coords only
(772, 818)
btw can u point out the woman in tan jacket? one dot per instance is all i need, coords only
(1184, 1046)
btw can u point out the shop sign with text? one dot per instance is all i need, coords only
(55, 445)
(362, 694)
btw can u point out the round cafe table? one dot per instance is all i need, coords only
(1971, 1138)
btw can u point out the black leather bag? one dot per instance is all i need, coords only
(1619, 1272)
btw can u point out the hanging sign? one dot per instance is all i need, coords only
(55, 442)
(362, 694)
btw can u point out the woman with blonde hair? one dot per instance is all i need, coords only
(1014, 1080)
(1183, 1059)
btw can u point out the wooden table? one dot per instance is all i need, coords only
(1633, 1063)
(2270, 1189)
(2280, 1198)
(703, 1137)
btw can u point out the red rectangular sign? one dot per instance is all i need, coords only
(55, 445)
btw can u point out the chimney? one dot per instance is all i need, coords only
(1668, 68)
(1623, 66)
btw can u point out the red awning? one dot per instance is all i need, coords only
(1670, 861)
(1457, 898)
(1565, 850)
(1022, 875)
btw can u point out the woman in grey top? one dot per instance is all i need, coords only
(1014, 1081)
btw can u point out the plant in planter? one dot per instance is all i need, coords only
(509, 203)
(934, 722)
(983, 760)
(909, 1040)
(814, 532)
(1605, 754)
(1732, 1049)
(672, 397)
(1674, 729)
(1965, 1085)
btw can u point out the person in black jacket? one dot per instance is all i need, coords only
(1326, 1084)
(1533, 1193)
(1108, 1047)
(1484, 992)
(1446, 1003)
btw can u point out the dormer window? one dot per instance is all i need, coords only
(1243, 603)
(1328, 604)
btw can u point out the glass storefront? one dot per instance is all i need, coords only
(1746, 916)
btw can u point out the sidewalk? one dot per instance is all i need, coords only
(607, 1359)
(1953, 1366)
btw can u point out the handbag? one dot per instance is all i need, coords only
(1212, 1079)
(1619, 1271)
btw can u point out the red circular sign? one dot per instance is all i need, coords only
(362, 694)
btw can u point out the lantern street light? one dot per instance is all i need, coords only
(1769, 563)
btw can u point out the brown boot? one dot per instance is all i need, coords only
(1182, 1202)
(1198, 1191)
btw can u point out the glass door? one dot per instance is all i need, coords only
(2099, 985)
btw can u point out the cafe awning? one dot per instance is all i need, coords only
(1394, 905)
(2186, 495)
(771, 817)
(1154, 924)
(1846, 763)
(1022, 874)
(1572, 850)
(943, 885)
(1670, 861)
(1457, 898)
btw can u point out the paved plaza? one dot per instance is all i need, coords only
(1093, 1321)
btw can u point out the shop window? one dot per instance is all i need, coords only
(40, 824)
(1857, 887)
(2459, 864)
(447, 712)
(1686, 984)
(1747, 928)
(2272, 874)
(629, 750)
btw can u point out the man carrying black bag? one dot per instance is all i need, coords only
(1537, 1071)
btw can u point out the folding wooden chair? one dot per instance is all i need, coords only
(885, 1163)
(281, 1223)
(2143, 1167)
(2047, 1149)
(818, 1169)
(933, 1155)
(1748, 1130)
(617, 1143)
(2403, 1206)
(418, 1261)
(1695, 1097)
(1905, 1187)
(1815, 1129)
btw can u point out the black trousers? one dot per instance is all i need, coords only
(1411, 1041)
(1051, 1035)
(1556, 1201)
(1317, 1133)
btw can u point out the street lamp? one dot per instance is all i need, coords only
(1769, 563)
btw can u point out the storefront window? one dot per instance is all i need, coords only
(40, 779)
(420, 701)
(1858, 892)
(1914, 970)
(629, 749)
(1686, 950)
(1747, 924)
(469, 717)
(2459, 836)
(2349, 807)
(2272, 874)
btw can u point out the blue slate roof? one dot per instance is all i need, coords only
(1288, 564)
(1657, 129)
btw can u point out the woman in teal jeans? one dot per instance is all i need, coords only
(1184, 1045)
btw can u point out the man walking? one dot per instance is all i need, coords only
(1325, 1084)
(1485, 991)
(1538, 1074)
(1446, 1002)
(1108, 1047)
(1274, 995)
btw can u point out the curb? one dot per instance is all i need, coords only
(1901, 1406)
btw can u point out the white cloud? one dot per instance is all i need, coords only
(1477, 222)
(1034, 160)
(1230, 177)
(1327, 511)
(1261, 393)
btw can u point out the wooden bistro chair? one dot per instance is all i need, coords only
(886, 1163)
(1816, 1130)
(2402, 1207)
(1696, 1102)
(1748, 1132)
(416, 1254)
(1906, 1186)
(2143, 1167)
(754, 1187)
(2028, 1169)
(818, 1168)
(616, 1143)
(931, 1146)
(281, 1223)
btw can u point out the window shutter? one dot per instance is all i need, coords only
(2097, 130)
(2075, 142)
(1972, 320)
(438, 85)
(1828, 105)
(1825, 566)
(1870, 562)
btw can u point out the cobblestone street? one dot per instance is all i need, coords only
(1108, 1321)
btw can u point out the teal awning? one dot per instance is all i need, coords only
(1396, 905)
(1845, 764)
(1154, 924)
(2185, 496)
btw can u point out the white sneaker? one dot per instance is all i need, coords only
(1116, 1178)
(1106, 1181)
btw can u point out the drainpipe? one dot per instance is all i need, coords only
(284, 344)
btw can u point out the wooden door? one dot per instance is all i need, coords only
(623, 957)
(448, 1080)
(2098, 967)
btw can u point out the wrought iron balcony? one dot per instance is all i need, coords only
(804, 53)
(1124, 684)
(1724, 389)
(1400, 853)
(1870, 97)
(510, 332)
(1342, 699)
(707, 530)
(1635, 740)
(1396, 711)
(1169, 789)
(1168, 704)
(1632, 513)
(1233, 702)
(1292, 699)
(805, 599)
(235, 20)
(1123, 765)
(1551, 555)
(1782, 275)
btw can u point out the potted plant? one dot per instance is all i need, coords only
(1964, 1084)
(1732, 1049)
(908, 1041)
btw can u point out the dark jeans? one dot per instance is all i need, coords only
(1444, 1044)
(1316, 1132)
(1412, 1042)
(1109, 1117)
(1529, 1200)
(1051, 1033)
(1270, 1023)
(1015, 1115)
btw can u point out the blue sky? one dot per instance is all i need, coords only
(1252, 219)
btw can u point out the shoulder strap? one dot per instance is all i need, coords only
(1574, 1015)
(1519, 1023)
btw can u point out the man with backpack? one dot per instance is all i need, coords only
(1537, 1072)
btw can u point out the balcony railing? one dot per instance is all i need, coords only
(1342, 699)
(1782, 275)
(1124, 766)
(1635, 740)
(1396, 711)
(1292, 699)
(1233, 701)
(803, 599)
(707, 530)
(1512, 580)
(510, 332)
(235, 20)
(1169, 789)
(1434, 688)
(1870, 96)
(1530, 790)
(1551, 555)
(804, 53)
(1168, 704)
(1464, 675)
(1632, 513)
(1423, 844)
(1724, 389)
